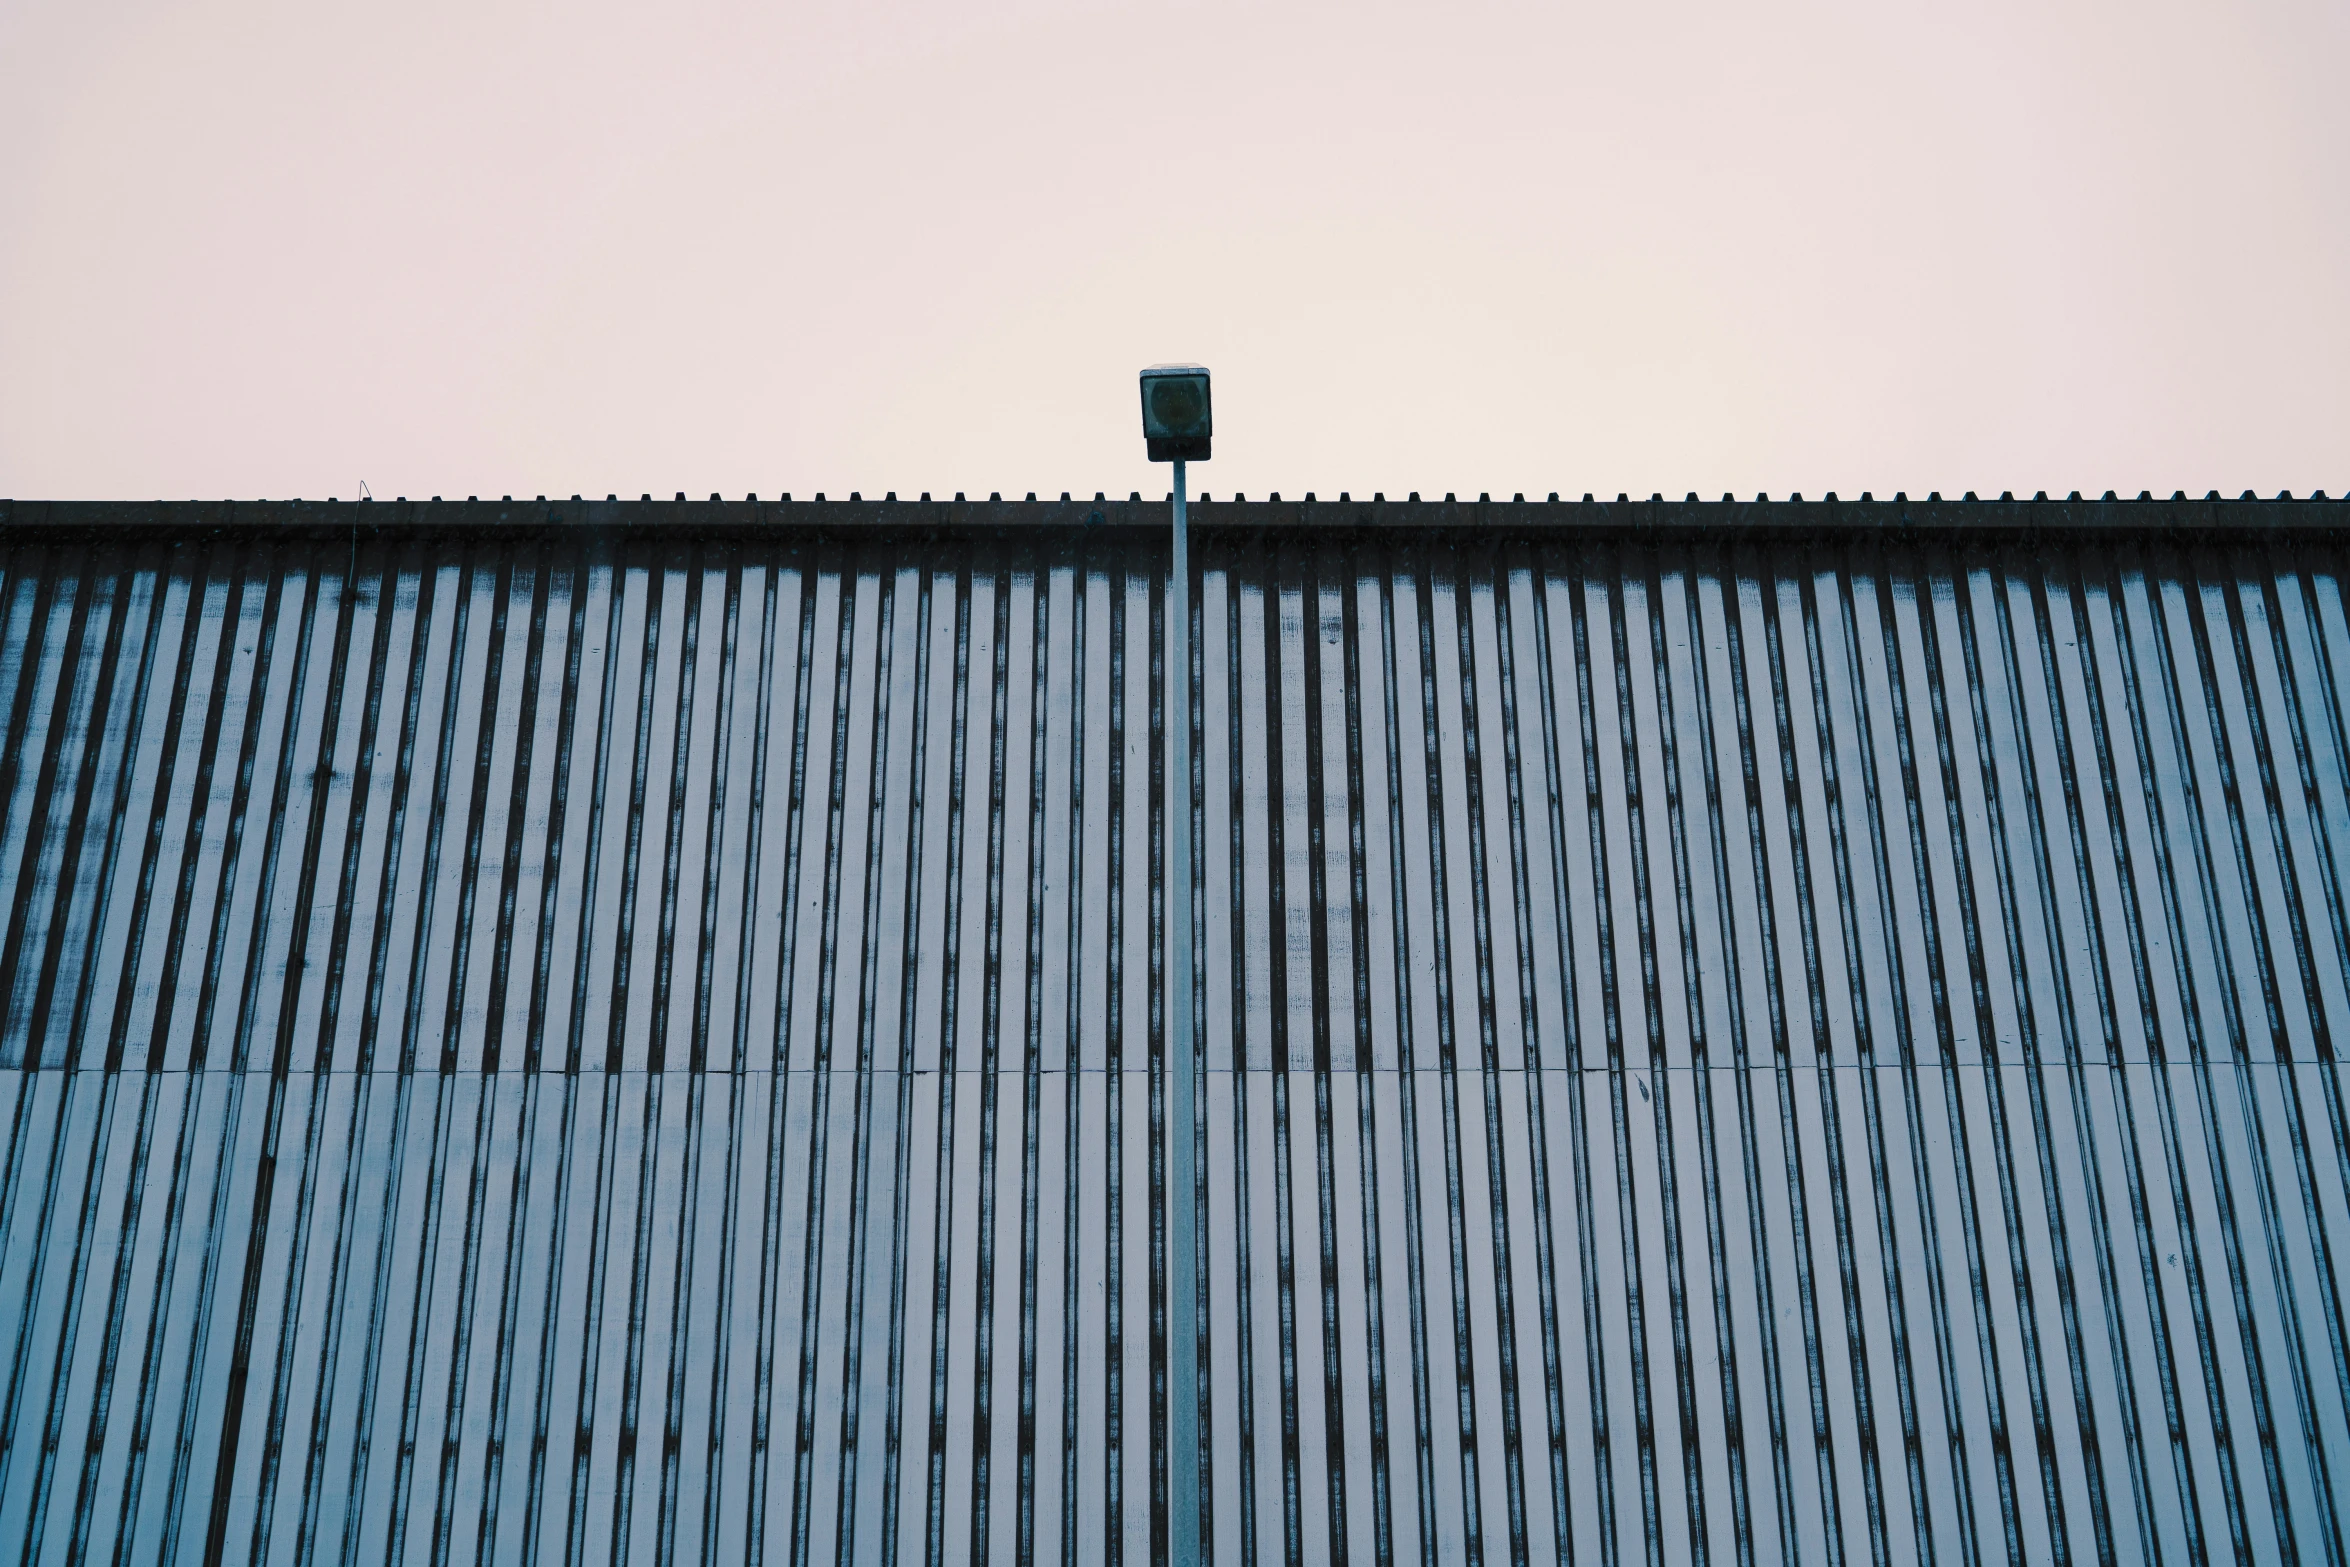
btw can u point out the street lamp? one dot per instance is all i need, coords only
(1175, 414)
(1176, 425)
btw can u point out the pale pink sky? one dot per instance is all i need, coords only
(264, 250)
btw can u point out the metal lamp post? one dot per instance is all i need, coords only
(1177, 426)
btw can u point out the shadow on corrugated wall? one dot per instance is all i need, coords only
(556, 1044)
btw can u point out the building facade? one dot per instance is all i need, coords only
(546, 1032)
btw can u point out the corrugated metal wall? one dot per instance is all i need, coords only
(561, 1045)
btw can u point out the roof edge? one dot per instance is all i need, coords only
(1656, 515)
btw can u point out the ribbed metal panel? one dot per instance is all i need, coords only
(556, 1043)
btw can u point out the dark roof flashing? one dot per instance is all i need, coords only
(1728, 517)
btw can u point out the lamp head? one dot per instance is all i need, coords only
(1176, 418)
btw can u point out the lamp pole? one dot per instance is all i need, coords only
(1177, 427)
(1182, 1108)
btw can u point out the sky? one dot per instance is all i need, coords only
(263, 250)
